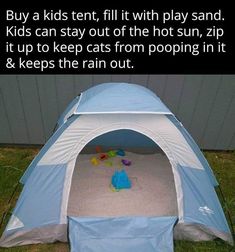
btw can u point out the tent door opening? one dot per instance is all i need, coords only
(153, 189)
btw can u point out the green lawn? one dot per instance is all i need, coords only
(13, 162)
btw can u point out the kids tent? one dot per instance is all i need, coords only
(133, 116)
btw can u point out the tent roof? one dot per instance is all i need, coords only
(119, 98)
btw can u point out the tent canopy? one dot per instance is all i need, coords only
(118, 98)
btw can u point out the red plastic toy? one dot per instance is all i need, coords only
(103, 156)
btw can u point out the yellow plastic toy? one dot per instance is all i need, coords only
(113, 189)
(108, 163)
(95, 161)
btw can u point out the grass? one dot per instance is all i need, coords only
(13, 162)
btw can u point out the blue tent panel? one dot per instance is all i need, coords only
(201, 204)
(195, 148)
(120, 98)
(99, 234)
(40, 201)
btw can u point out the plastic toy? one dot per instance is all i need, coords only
(120, 180)
(103, 156)
(98, 149)
(111, 153)
(108, 163)
(95, 161)
(126, 162)
(120, 152)
(113, 189)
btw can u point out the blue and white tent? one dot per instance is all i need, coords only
(41, 216)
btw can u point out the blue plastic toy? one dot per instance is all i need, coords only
(120, 153)
(120, 180)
